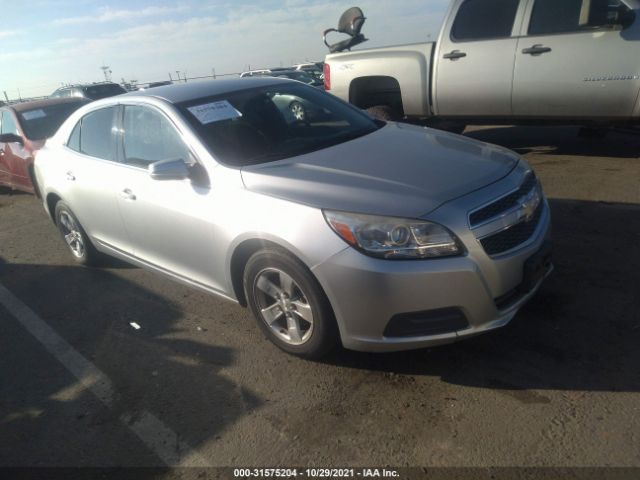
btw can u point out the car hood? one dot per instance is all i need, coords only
(398, 170)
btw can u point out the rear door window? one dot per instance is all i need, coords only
(485, 19)
(96, 138)
(553, 16)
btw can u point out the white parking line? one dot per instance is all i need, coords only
(159, 438)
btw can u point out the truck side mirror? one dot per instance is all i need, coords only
(626, 17)
(601, 14)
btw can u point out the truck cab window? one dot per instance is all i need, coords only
(484, 20)
(552, 16)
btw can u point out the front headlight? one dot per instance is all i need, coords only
(393, 238)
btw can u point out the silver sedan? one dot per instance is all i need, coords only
(339, 229)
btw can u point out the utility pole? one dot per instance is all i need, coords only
(5, 96)
(171, 79)
(213, 71)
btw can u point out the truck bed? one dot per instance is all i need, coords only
(356, 73)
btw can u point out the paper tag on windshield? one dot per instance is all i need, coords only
(214, 112)
(33, 114)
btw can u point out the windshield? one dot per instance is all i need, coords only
(271, 123)
(41, 123)
(96, 92)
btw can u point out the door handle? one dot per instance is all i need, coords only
(456, 54)
(536, 50)
(70, 176)
(127, 194)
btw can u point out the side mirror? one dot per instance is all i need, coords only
(599, 16)
(11, 138)
(174, 169)
(626, 18)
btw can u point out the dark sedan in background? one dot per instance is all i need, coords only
(24, 128)
(91, 91)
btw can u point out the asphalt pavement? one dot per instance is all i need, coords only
(198, 384)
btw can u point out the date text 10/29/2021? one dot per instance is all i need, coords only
(315, 473)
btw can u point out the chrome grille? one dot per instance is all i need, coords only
(512, 237)
(502, 204)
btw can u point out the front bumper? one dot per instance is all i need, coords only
(367, 292)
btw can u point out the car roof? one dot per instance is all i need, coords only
(47, 102)
(183, 92)
(85, 85)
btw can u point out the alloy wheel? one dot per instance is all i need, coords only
(72, 234)
(283, 306)
(298, 111)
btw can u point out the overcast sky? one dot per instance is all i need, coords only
(46, 43)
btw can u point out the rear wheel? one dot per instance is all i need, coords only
(289, 304)
(79, 245)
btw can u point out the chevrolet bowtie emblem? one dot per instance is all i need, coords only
(529, 204)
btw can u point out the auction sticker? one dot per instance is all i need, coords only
(33, 114)
(214, 112)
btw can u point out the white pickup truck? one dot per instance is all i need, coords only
(495, 61)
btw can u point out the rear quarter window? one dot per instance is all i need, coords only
(74, 140)
(96, 139)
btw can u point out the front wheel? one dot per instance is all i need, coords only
(289, 304)
(79, 245)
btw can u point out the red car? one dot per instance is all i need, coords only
(24, 129)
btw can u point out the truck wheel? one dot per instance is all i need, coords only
(289, 304)
(383, 112)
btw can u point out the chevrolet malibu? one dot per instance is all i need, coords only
(380, 236)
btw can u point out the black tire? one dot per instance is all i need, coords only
(322, 332)
(384, 112)
(68, 224)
